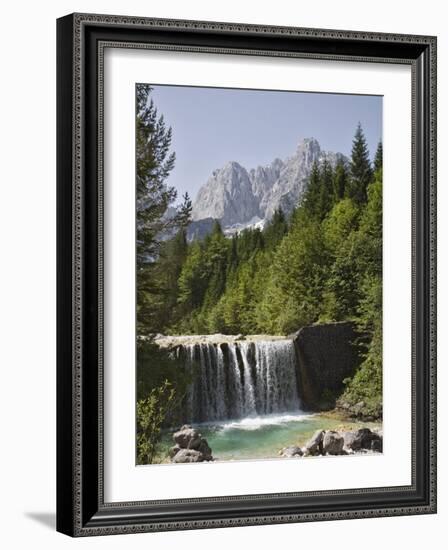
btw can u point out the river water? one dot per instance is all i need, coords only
(264, 436)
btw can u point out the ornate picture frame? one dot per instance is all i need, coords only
(81, 43)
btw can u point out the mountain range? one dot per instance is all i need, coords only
(241, 198)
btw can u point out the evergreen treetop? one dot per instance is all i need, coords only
(154, 163)
(360, 168)
(378, 162)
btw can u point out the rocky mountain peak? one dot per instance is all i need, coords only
(308, 151)
(235, 196)
(226, 196)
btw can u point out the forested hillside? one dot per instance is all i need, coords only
(324, 263)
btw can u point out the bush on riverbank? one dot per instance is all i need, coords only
(362, 397)
(161, 387)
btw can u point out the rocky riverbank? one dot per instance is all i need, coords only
(341, 442)
(330, 439)
(359, 411)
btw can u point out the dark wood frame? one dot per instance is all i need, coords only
(81, 39)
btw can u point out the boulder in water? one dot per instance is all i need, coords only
(377, 445)
(332, 443)
(314, 446)
(349, 438)
(189, 446)
(359, 439)
(204, 448)
(362, 439)
(290, 452)
(174, 450)
(187, 455)
(338, 442)
(187, 438)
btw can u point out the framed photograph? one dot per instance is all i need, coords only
(246, 274)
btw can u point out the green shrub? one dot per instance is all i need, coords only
(151, 415)
(162, 383)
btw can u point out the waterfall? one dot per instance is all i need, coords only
(250, 403)
(240, 379)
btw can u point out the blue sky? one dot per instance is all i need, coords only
(212, 126)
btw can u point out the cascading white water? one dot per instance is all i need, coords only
(241, 379)
(221, 388)
(250, 402)
(236, 387)
(276, 388)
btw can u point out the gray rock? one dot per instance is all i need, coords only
(188, 455)
(290, 185)
(313, 447)
(332, 443)
(227, 196)
(359, 439)
(205, 450)
(185, 427)
(326, 356)
(349, 438)
(187, 438)
(358, 408)
(190, 440)
(174, 450)
(199, 229)
(289, 452)
(263, 178)
(377, 445)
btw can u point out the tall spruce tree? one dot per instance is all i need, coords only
(326, 195)
(154, 162)
(340, 180)
(311, 199)
(276, 229)
(216, 264)
(360, 168)
(378, 162)
(232, 255)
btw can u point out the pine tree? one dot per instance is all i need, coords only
(192, 283)
(276, 229)
(169, 266)
(154, 162)
(378, 162)
(326, 195)
(249, 241)
(232, 256)
(311, 199)
(360, 169)
(319, 195)
(216, 255)
(340, 180)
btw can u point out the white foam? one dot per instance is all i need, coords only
(256, 422)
